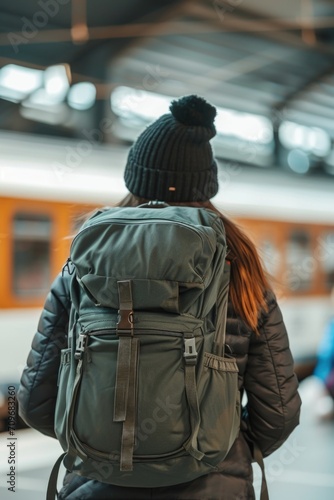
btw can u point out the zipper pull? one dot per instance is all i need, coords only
(70, 269)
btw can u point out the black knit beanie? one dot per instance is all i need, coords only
(172, 159)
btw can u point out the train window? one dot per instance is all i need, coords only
(300, 266)
(326, 257)
(31, 254)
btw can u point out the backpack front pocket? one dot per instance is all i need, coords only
(162, 417)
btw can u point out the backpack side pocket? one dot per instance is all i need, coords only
(219, 399)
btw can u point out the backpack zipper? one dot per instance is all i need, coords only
(151, 331)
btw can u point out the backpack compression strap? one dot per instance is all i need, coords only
(190, 358)
(126, 375)
(222, 303)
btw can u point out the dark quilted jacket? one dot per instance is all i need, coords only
(265, 374)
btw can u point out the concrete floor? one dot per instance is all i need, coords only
(303, 468)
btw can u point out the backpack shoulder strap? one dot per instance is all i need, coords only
(52, 493)
(222, 304)
(264, 495)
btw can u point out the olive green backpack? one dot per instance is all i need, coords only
(147, 396)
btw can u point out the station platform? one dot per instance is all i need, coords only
(302, 468)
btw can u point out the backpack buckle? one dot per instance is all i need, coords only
(125, 311)
(81, 346)
(190, 353)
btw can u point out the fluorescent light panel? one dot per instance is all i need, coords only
(82, 95)
(16, 82)
(309, 139)
(132, 104)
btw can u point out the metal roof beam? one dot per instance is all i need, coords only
(276, 29)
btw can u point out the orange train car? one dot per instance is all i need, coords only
(35, 237)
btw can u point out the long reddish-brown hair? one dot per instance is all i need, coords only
(249, 281)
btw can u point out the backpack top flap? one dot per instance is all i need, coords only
(171, 256)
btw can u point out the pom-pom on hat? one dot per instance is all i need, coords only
(172, 159)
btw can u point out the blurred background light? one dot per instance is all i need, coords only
(81, 95)
(52, 114)
(298, 161)
(56, 82)
(310, 139)
(16, 82)
(46, 104)
(132, 104)
(41, 98)
(244, 126)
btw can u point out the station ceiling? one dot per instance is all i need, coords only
(274, 59)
